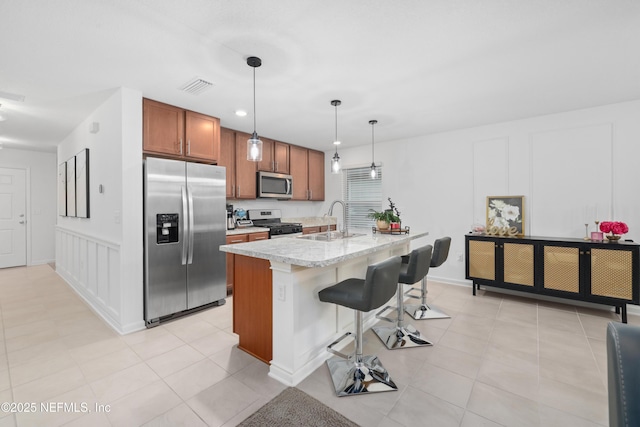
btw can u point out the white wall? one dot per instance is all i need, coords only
(101, 256)
(564, 164)
(41, 200)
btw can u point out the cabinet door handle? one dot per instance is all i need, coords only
(310, 194)
(275, 167)
(233, 190)
(180, 143)
(238, 195)
(260, 238)
(188, 147)
(237, 241)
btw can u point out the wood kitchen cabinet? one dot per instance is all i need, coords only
(307, 169)
(173, 132)
(228, 159)
(245, 183)
(317, 229)
(599, 272)
(316, 175)
(240, 238)
(275, 156)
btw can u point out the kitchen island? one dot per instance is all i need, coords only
(276, 310)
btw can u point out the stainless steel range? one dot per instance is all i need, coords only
(271, 218)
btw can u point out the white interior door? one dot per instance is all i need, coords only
(13, 220)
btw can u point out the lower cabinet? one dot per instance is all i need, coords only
(317, 229)
(240, 238)
(599, 272)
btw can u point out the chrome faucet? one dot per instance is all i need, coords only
(344, 218)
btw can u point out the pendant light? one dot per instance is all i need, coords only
(254, 145)
(335, 162)
(374, 172)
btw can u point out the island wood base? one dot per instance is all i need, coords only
(252, 308)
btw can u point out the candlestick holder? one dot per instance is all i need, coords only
(586, 232)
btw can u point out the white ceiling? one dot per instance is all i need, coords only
(417, 66)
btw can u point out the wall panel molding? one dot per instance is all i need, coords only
(91, 266)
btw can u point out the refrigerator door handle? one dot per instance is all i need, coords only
(184, 225)
(191, 226)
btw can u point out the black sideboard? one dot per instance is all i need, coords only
(599, 272)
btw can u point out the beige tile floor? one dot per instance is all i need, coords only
(499, 360)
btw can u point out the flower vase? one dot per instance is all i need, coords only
(612, 237)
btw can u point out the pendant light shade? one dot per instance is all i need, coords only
(374, 172)
(335, 162)
(254, 145)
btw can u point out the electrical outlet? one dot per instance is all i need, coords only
(282, 294)
(460, 256)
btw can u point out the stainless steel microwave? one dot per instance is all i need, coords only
(275, 185)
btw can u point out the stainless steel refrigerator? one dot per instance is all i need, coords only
(185, 223)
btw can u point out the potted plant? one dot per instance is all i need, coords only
(386, 217)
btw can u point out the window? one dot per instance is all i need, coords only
(361, 193)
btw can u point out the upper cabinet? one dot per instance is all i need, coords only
(307, 170)
(275, 156)
(245, 169)
(176, 133)
(170, 131)
(228, 159)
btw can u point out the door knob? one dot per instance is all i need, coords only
(20, 222)
(21, 215)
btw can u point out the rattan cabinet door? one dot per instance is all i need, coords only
(518, 264)
(562, 268)
(612, 273)
(482, 259)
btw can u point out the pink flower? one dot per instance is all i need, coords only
(605, 226)
(614, 227)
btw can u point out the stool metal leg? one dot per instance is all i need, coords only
(424, 311)
(363, 374)
(400, 335)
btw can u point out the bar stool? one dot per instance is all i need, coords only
(361, 374)
(423, 311)
(399, 336)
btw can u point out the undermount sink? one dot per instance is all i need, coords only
(328, 237)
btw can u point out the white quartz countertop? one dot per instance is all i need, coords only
(312, 253)
(247, 230)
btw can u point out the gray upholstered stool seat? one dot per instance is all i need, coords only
(400, 336)
(623, 374)
(362, 374)
(423, 311)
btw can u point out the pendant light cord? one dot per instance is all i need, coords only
(254, 99)
(336, 140)
(372, 144)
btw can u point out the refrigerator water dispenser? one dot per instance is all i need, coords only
(167, 228)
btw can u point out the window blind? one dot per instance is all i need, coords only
(361, 193)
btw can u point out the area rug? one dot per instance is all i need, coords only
(294, 407)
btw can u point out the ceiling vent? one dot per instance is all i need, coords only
(196, 86)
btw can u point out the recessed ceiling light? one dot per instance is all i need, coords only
(336, 142)
(241, 113)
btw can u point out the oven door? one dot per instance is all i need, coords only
(274, 185)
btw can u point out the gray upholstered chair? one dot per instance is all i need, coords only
(402, 335)
(623, 372)
(423, 311)
(362, 374)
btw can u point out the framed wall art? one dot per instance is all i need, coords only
(62, 189)
(71, 186)
(506, 212)
(82, 184)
